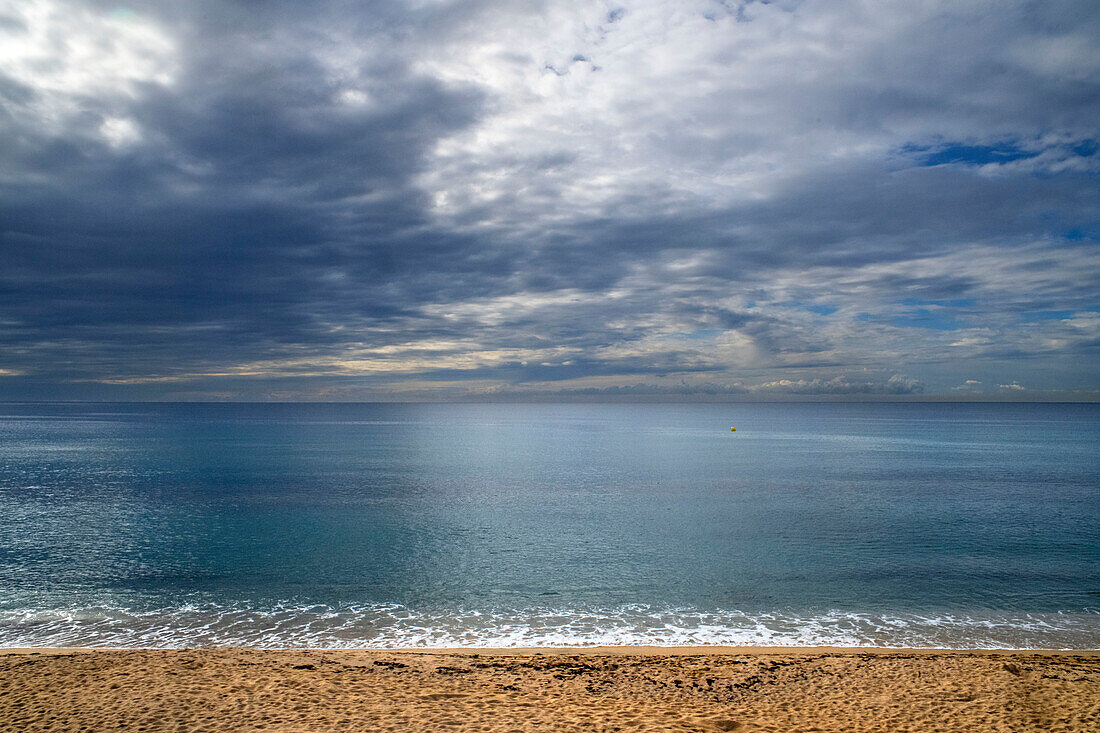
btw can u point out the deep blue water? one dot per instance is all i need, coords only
(407, 525)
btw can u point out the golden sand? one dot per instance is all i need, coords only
(619, 689)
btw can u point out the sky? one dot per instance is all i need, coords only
(435, 200)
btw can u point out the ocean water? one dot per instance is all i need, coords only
(928, 525)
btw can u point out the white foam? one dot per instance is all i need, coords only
(289, 625)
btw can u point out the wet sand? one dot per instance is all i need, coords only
(598, 689)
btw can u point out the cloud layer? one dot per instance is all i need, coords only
(451, 200)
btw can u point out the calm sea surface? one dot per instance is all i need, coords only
(958, 525)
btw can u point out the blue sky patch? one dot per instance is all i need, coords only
(960, 154)
(1086, 148)
(933, 320)
(1061, 315)
(702, 334)
(954, 303)
(818, 308)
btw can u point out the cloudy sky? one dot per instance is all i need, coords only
(698, 199)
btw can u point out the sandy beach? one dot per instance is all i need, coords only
(603, 689)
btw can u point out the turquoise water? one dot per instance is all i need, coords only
(959, 525)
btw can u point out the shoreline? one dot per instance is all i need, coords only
(604, 650)
(711, 688)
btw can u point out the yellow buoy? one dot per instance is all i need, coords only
(733, 430)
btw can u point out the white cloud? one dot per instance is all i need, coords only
(602, 109)
(71, 52)
(120, 131)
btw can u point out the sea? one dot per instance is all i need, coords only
(501, 525)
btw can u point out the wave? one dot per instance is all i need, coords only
(290, 625)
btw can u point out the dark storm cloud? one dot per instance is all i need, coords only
(228, 224)
(358, 201)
